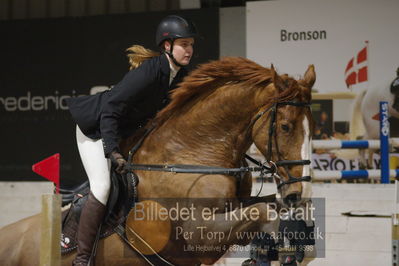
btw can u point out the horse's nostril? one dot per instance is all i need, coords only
(292, 198)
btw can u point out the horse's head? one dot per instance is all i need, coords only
(283, 135)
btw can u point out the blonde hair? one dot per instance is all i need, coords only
(137, 54)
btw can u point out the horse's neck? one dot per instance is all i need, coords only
(212, 131)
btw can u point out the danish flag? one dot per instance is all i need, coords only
(356, 70)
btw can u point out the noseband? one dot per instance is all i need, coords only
(273, 166)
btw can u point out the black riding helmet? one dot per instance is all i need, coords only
(173, 27)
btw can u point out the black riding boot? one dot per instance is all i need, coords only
(90, 221)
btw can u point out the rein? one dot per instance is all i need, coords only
(270, 168)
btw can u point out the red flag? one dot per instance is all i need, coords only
(49, 168)
(357, 73)
(376, 117)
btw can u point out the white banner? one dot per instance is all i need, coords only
(292, 34)
(329, 162)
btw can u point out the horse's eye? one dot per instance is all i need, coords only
(285, 128)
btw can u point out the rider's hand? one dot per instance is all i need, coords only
(119, 162)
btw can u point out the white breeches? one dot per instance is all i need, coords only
(97, 167)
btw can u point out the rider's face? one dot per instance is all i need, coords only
(182, 50)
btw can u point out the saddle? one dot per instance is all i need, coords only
(121, 200)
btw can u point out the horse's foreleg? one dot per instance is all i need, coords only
(362, 160)
(370, 158)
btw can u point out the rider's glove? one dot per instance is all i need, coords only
(119, 162)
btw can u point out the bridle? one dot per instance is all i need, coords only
(269, 167)
(273, 166)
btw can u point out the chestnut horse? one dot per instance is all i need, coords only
(218, 111)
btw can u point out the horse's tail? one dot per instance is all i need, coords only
(137, 54)
(356, 127)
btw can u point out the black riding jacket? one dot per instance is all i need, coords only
(117, 113)
(395, 92)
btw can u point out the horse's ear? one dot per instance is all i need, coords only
(277, 80)
(310, 76)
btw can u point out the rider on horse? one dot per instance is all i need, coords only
(103, 119)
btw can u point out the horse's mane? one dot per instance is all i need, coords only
(209, 76)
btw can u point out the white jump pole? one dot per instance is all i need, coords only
(351, 174)
(351, 144)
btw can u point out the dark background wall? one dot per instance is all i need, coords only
(43, 61)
